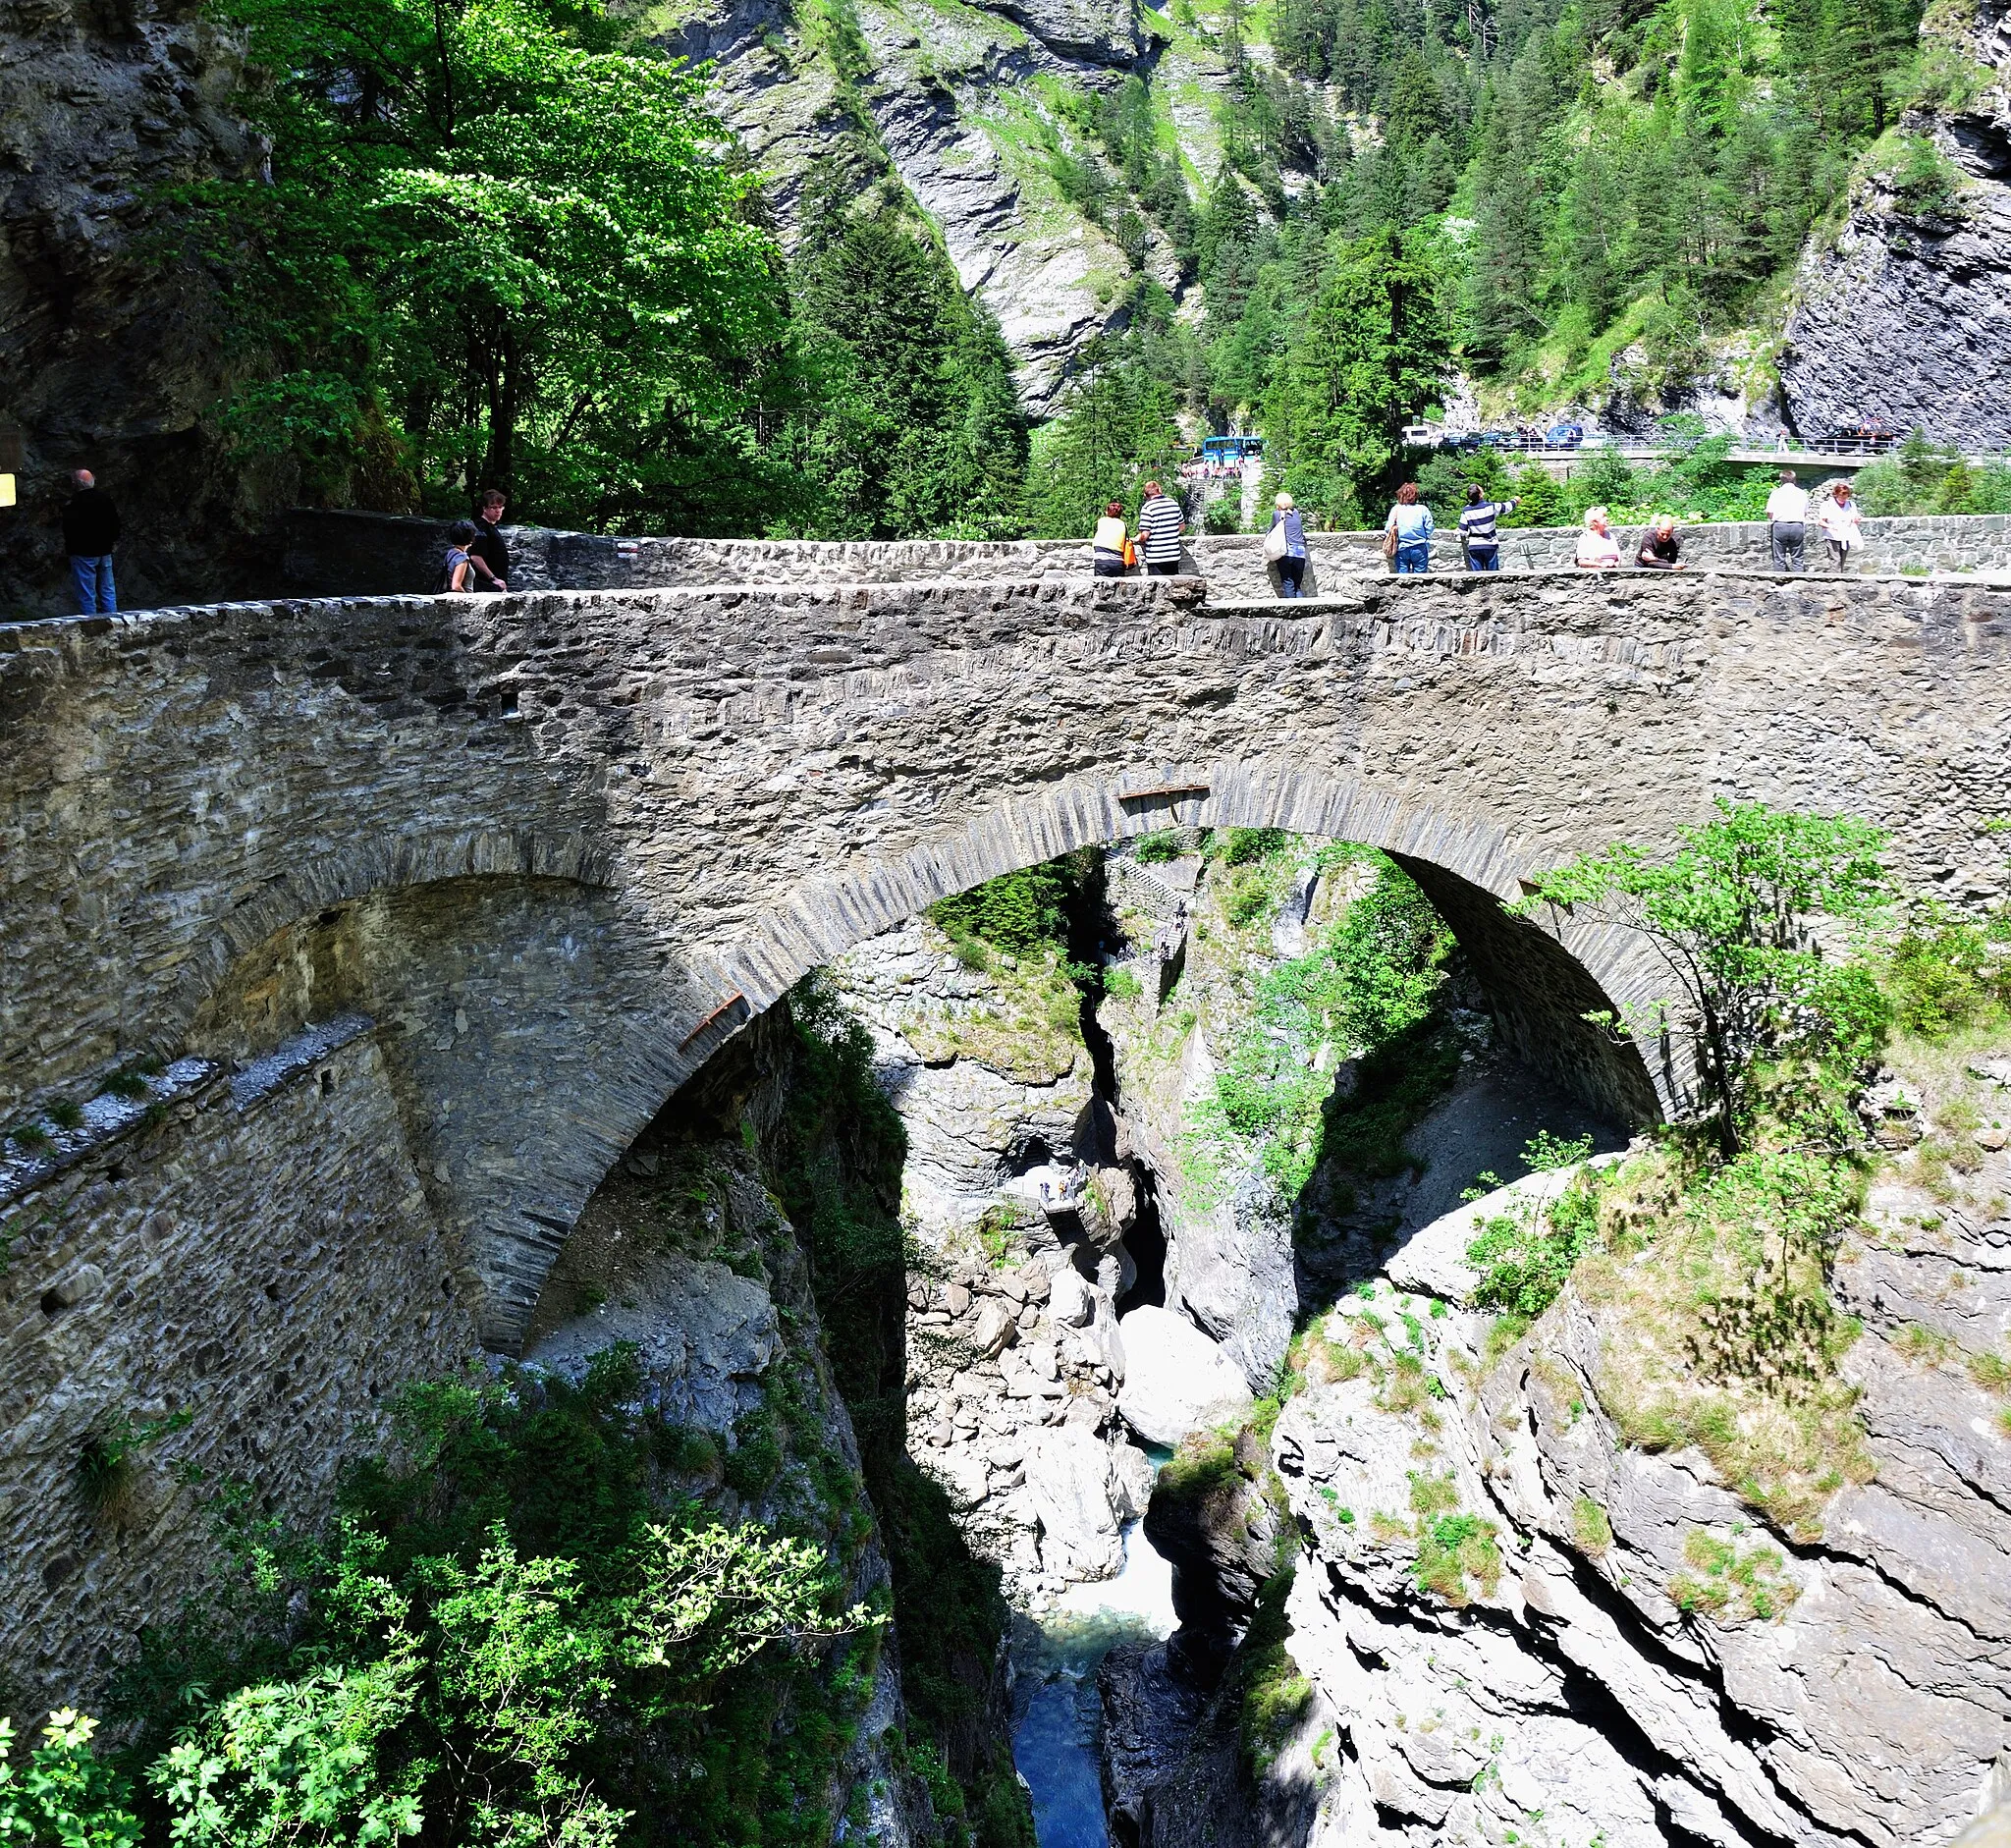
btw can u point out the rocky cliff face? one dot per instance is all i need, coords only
(1907, 317)
(1017, 1207)
(1517, 1623)
(968, 104)
(114, 350)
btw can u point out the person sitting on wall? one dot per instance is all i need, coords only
(488, 554)
(1660, 549)
(1598, 549)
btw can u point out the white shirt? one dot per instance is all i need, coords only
(1788, 504)
(1841, 519)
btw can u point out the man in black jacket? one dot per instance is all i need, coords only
(91, 529)
(487, 553)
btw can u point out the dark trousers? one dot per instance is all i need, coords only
(1789, 537)
(1109, 566)
(1291, 573)
(1169, 569)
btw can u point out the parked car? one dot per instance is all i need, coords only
(1564, 435)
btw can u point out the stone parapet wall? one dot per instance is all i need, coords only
(342, 554)
(264, 1263)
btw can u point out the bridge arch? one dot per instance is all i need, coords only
(1542, 976)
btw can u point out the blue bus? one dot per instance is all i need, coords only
(1230, 448)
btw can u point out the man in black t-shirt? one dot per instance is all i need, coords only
(91, 529)
(1660, 549)
(487, 553)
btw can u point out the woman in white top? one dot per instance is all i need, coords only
(1598, 549)
(1842, 522)
(1109, 540)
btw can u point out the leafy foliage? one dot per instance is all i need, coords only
(65, 1795)
(1362, 991)
(1525, 1256)
(1731, 914)
(500, 245)
(512, 1635)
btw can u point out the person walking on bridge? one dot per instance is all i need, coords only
(1160, 526)
(1407, 533)
(91, 529)
(1787, 520)
(1285, 544)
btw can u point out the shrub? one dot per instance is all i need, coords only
(1122, 985)
(1156, 848)
(67, 1795)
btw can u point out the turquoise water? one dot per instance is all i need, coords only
(1054, 1744)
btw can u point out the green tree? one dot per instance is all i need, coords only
(500, 245)
(1376, 351)
(66, 1796)
(913, 425)
(1731, 913)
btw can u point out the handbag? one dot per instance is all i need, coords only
(1390, 542)
(1129, 554)
(1275, 543)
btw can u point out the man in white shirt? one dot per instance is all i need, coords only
(1787, 516)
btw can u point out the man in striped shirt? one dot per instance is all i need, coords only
(1160, 526)
(1477, 529)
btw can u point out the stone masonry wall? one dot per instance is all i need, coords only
(738, 787)
(258, 1255)
(344, 554)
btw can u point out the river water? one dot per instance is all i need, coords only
(1054, 1743)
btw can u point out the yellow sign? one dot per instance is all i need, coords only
(6, 490)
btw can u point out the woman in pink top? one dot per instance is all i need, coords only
(1598, 549)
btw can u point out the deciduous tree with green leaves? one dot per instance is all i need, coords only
(501, 241)
(1749, 914)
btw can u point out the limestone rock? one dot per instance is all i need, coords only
(1176, 1378)
(705, 1335)
(1907, 317)
(1068, 1478)
(1432, 1259)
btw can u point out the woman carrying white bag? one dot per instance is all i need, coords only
(1843, 523)
(1284, 546)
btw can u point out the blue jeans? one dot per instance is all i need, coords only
(1290, 573)
(1414, 558)
(96, 595)
(1482, 558)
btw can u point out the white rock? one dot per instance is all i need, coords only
(1434, 1258)
(994, 1328)
(705, 1335)
(1068, 1478)
(1176, 1378)
(1071, 1301)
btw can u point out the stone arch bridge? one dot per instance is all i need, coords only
(432, 902)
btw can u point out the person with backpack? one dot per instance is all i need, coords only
(1110, 545)
(1160, 526)
(1407, 533)
(1479, 535)
(1284, 546)
(459, 573)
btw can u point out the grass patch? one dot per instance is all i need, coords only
(1591, 1532)
(1732, 1583)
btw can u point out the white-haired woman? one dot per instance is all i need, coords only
(1598, 549)
(1285, 544)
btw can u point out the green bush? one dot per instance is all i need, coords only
(508, 1631)
(66, 1796)
(1947, 972)
(1525, 1257)
(1156, 848)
